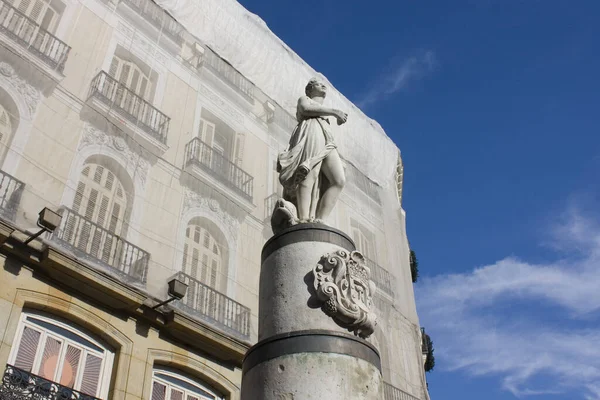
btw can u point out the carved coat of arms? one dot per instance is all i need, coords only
(342, 282)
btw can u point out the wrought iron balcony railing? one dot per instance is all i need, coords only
(381, 277)
(393, 393)
(32, 37)
(424, 344)
(11, 190)
(215, 307)
(230, 74)
(92, 240)
(18, 384)
(159, 18)
(201, 154)
(270, 205)
(118, 96)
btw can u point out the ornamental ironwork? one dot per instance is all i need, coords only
(18, 384)
(342, 281)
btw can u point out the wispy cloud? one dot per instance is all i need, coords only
(401, 73)
(534, 326)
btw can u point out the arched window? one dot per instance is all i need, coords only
(202, 255)
(59, 352)
(170, 384)
(9, 121)
(101, 198)
(5, 124)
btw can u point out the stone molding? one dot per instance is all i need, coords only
(29, 93)
(211, 206)
(93, 136)
(343, 283)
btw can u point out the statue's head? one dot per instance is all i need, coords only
(315, 88)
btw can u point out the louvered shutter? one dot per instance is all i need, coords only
(24, 6)
(70, 366)
(36, 10)
(176, 395)
(50, 356)
(28, 346)
(159, 391)
(239, 149)
(114, 67)
(91, 375)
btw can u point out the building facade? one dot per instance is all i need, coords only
(160, 157)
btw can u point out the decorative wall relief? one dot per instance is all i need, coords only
(343, 283)
(213, 207)
(114, 141)
(29, 93)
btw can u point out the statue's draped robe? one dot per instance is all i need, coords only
(310, 143)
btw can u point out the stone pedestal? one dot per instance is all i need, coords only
(303, 353)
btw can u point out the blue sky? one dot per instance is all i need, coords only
(495, 105)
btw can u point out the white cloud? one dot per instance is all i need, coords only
(535, 326)
(401, 74)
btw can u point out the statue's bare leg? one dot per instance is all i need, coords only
(304, 194)
(333, 169)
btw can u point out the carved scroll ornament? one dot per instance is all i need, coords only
(342, 282)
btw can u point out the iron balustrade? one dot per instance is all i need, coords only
(38, 41)
(380, 276)
(18, 384)
(393, 393)
(213, 305)
(199, 153)
(270, 204)
(139, 111)
(11, 190)
(85, 236)
(229, 73)
(158, 17)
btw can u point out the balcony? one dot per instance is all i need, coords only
(140, 119)
(214, 307)
(18, 384)
(270, 205)
(393, 393)
(208, 164)
(226, 72)
(89, 240)
(11, 190)
(159, 19)
(381, 277)
(41, 47)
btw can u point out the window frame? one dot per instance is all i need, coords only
(171, 372)
(107, 355)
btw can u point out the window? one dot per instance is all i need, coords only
(399, 178)
(364, 240)
(169, 384)
(57, 351)
(42, 12)
(132, 76)
(202, 256)
(5, 125)
(101, 198)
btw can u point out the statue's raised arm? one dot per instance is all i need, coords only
(310, 170)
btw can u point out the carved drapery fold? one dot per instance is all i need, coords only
(342, 282)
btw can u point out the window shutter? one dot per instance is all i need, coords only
(176, 395)
(91, 205)
(78, 196)
(204, 268)
(23, 6)
(50, 358)
(36, 10)
(124, 77)
(195, 259)
(213, 274)
(114, 67)
(27, 349)
(91, 375)
(70, 366)
(239, 149)
(114, 219)
(159, 391)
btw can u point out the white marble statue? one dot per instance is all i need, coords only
(310, 169)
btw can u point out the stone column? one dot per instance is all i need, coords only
(314, 290)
